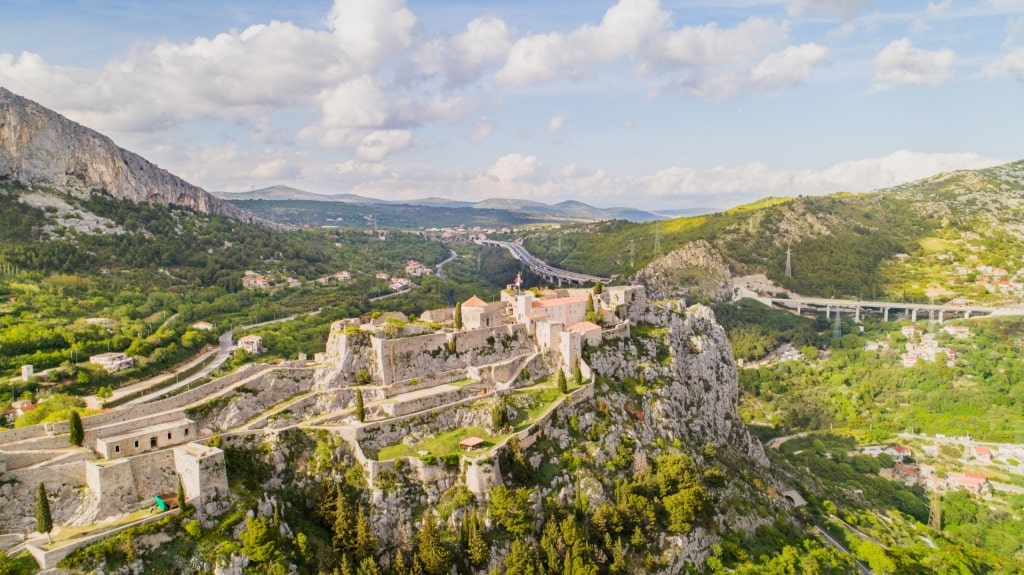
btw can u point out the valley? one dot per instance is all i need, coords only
(194, 388)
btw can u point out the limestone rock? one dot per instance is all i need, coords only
(694, 270)
(39, 146)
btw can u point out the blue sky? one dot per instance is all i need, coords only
(640, 103)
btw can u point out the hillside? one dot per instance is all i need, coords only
(40, 147)
(503, 211)
(931, 238)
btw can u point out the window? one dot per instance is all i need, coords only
(186, 432)
(136, 444)
(152, 442)
(117, 449)
(168, 435)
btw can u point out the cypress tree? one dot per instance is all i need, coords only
(181, 495)
(44, 520)
(590, 304)
(76, 433)
(577, 375)
(458, 315)
(598, 288)
(360, 407)
(562, 385)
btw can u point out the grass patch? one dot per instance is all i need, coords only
(445, 443)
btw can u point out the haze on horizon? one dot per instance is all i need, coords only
(637, 103)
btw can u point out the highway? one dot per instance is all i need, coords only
(541, 268)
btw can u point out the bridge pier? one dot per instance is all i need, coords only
(799, 308)
(856, 314)
(828, 311)
(967, 315)
(941, 312)
(885, 314)
(913, 314)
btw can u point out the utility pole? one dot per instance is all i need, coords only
(657, 239)
(789, 262)
(935, 511)
(837, 327)
(632, 253)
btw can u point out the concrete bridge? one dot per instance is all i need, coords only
(856, 307)
(541, 268)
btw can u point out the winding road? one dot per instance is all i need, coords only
(540, 267)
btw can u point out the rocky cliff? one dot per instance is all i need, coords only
(694, 270)
(39, 146)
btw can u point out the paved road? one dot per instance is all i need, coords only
(835, 543)
(539, 266)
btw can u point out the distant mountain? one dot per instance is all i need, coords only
(569, 209)
(41, 147)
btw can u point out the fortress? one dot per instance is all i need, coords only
(417, 378)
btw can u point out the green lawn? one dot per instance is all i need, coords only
(445, 443)
(77, 531)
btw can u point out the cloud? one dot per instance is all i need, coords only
(556, 123)
(542, 57)
(370, 31)
(463, 58)
(483, 127)
(1011, 65)
(902, 64)
(379, 144)
(790, 66)
(710, 61)
(273, 169)
(513, 167)
(843, 9)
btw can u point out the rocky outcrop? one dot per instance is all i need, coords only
(39, 146)
(694, 270)
(694, 386)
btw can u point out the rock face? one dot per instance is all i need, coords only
(39, 146)
(693, 379)
(693, 270)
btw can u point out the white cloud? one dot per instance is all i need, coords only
(371, 31)
(541, 57)
(713, 62)
(902, 63)
(513, 167)
(462, 58)
(792, 65)
(1011, 65)
(273, 169)
(379, 144)
(556, 123)
(844, 9)
(482, 129)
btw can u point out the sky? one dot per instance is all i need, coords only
(649, 104)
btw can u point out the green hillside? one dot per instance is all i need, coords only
(894, 243)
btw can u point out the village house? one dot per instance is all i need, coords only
(112, 361)
(899, 452)
(957, 331)
(908, 474)
(414, 268)
(252, 344)
(982, 454)
(254, 281)
(202, 325)
(343, 276)
(974, 482)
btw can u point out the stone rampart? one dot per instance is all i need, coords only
(45, 442)
(48, 559)
(424, 403)
(21, 459)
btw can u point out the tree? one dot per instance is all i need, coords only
(598, 288)
(259, 539)
(458, 315)
(76, 434)
(431, 551)
(44, 521)
(577, 375)
(360, 408)
(563, 387)
(510, 508)
(477, 548)
(590, 304)
(180, 494)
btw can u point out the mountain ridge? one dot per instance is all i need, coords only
(39, 146)
(567, 208)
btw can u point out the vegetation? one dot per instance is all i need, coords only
(75, 431)
(44, 520)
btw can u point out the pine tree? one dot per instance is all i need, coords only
(562, 385)
(366, 541)
(431, 550)
(477, 548)
(44, 521)
(76, 433)
(368, 566)
(360, 407)
(458, 315)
